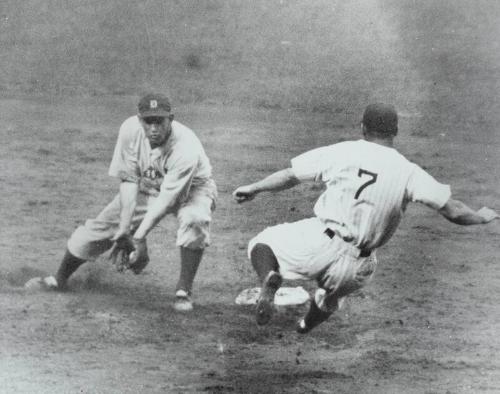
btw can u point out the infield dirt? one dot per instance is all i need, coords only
(427, 323)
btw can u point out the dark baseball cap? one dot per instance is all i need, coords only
(154, 104)
(381, 118)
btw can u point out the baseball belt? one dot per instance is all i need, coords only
(363, 253)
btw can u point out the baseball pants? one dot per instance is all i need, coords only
(194, 216)
(304, 252)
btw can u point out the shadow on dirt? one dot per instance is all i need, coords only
(19, 277)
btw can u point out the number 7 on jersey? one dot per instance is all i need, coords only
(372, 180)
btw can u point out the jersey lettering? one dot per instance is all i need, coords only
(151, 173)
(371, 181)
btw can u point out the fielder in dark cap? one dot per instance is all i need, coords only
(162, 169)
(368, 186)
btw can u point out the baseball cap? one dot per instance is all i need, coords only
(381, 118)
(154, 104)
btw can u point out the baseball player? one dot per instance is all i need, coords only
(163, 169)
(368, 186)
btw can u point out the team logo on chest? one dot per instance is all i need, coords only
(152, 173)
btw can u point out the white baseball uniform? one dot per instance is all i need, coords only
(368, 187)
(179, 171)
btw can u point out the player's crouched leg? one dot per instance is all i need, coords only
(193, 236)
(343, 278)
(320, 309)
(86, 243)
(266, 266)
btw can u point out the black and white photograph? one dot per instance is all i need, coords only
(266, 196)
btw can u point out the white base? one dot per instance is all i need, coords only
(284, 296)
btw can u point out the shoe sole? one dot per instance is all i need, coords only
(47, 284)
(265, 306)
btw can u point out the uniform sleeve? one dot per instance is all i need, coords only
(124, 164)
(311, 164)
(423, 188)
(178, 178)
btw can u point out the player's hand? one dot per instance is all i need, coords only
(139, 258)
(120, 252)
(488, 214)
(244, 193)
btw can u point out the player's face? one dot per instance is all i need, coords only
(157, 129)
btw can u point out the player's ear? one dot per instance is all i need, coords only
(171, 117)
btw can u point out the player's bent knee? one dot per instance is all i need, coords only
(194, 243)
(262, 254)
(260, 250)
(257, 240)
(328, 301)
(87, 243)
(325, 300)
(193, 216)
(194, 236)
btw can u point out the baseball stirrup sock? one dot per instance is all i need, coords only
(190, 262)
(69, 265)
(263, 260)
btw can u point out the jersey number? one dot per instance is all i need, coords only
(371, 181)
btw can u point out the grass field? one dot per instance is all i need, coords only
(259, 86)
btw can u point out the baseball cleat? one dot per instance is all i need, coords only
(183, 301)
(49, 283)
(265, 306)
(314, 317)
(302, 327)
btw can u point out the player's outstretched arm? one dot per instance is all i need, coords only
(458, 212)
(128, 200)
(280, 180)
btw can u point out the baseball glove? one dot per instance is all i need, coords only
(128, 253)
(139, 258)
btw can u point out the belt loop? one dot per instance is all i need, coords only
(365, 253)
(362, 253)
(330, 233)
